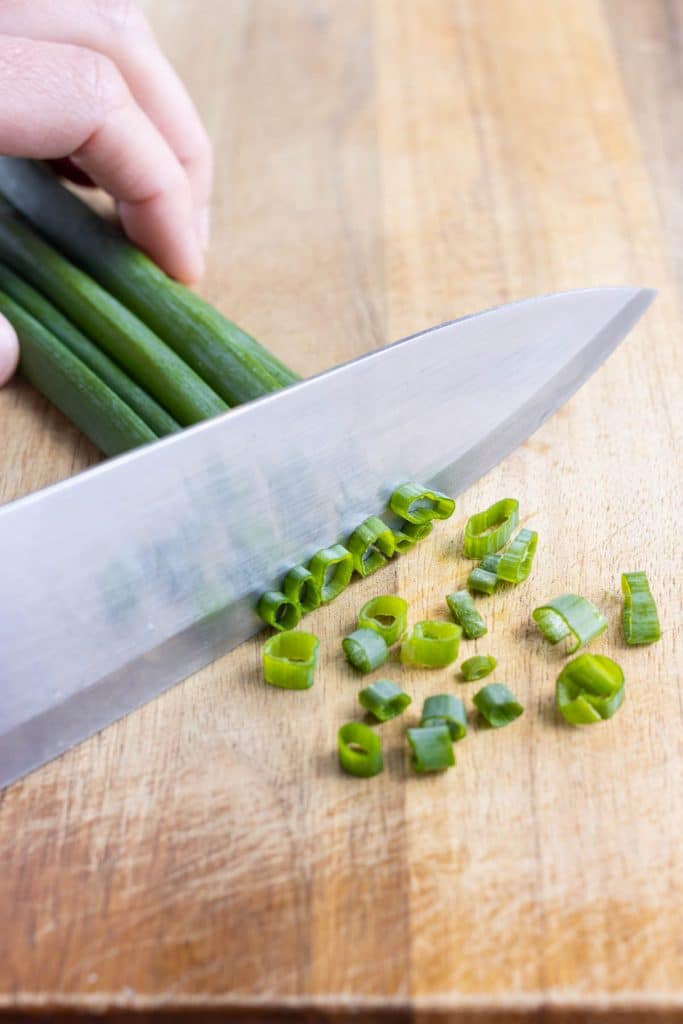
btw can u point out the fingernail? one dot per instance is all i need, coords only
(204, 227)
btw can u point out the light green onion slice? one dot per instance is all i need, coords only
(515, 562)
(278, 610)
(477, 667)
(371, 544)
(464, 612)
(444, 709)
(387, 615)
(485, 577)
(360, 750)
(431, 748)
(301, 587)
(332, 569)
(409, 534)
(419, 505)
(497, 705)
(589, 689)
(490, 530)
(570, 614)
(640, 618)
(384, 700)
(289, 660)
(432, 644)
(365, 650)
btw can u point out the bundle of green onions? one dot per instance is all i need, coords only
(127, 354)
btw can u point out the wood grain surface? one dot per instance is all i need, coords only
(382, 166)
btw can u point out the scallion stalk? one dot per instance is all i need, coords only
(360, 750)
(640, 619)
(488, 531)
(570, 615)
(589, 689)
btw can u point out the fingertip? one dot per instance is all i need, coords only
(9, 351)
(171, 240)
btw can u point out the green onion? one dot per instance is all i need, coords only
(409, 534)
(515, 562)
(127, 340)
(640, 618)
(384, 700)
(365, 650)
(477, 667)
(489, 531)
(589, 689)
(387, 615)
(485, 577)
(331, 569)
(135, 397)
(464, 612)
(432, 644)
(289, 660)
(444, 709)
(570, 614)
(223, 355)
(497, 705)
(360, 750)
(301, 587)
(419, 505)
(69, 384)
(431, 748)
(279, 611)
(371, 544)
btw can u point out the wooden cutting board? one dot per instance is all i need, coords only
(382, 166)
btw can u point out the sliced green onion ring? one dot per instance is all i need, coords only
(432, 644)
(419, 505)
(384, 700)
(409, 534)
(570, 614)
(278, 610)
(289, 660)
(465, 613)
(360, 750)
(365, 650)
(477, 667)
(485, 577)
(445, 709)
(301, 587)
(431, 747)
(640, 619)
(387, 615)
(497, 705)
(371, 544)
(331, 569)
(589, 689)
(488, 531)
(517, 559)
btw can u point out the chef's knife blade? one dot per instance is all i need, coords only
(129, 577)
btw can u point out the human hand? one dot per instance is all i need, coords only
(86, 80)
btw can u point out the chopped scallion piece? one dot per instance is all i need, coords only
(384, 700)
(409, 534)
(464, 612)
(432, 644)
(477, 667)
(640, 618)
(444, 709)
(485, 577)
(278, 611)
(360, 750)
(515, 562)
(371, 544)
(489, 531)
(331, 569)
(570, 614)
(497, 705)
(589, 689)
(419, 505)
(387, 615)
(365, 650)
(431, 747)
(301, 586)
(289, 660)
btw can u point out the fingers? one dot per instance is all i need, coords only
(117, 29)
(58, 99)
(9, 351)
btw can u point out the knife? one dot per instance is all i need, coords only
(129, 577)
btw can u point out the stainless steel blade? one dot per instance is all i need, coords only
(129, 577)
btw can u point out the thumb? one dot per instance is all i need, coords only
(9, 351)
